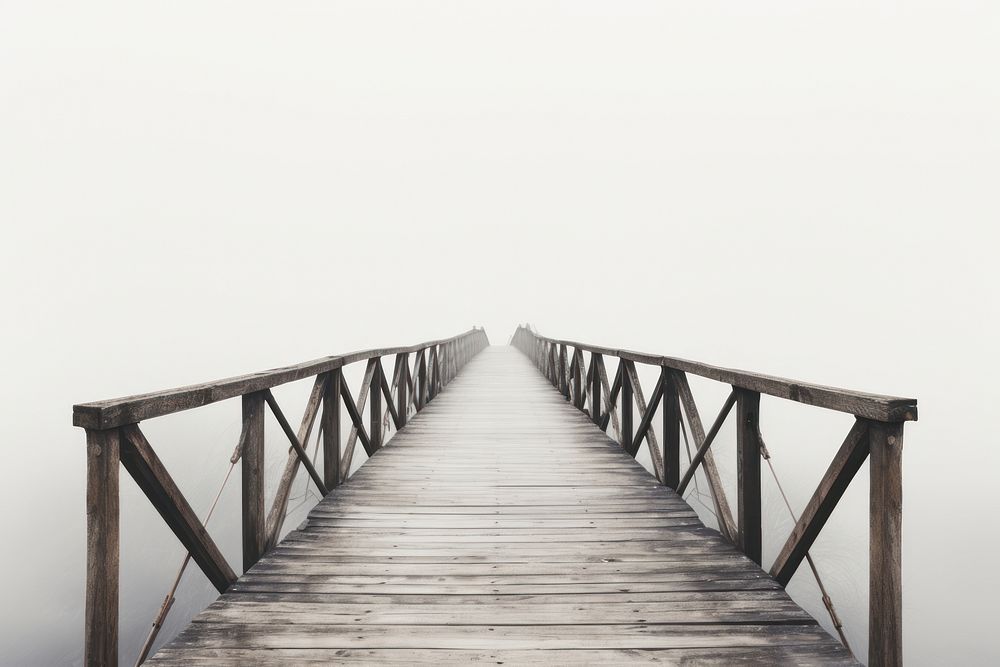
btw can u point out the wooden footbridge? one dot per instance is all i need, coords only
(501, 524)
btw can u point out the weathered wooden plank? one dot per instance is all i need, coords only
(151, 476)
(101, 608)
(843, 468)
(502, 520)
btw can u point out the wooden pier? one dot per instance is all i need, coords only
(501, 524)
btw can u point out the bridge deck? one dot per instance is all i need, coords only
(502, 527)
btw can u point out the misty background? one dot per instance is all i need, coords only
(190, 191)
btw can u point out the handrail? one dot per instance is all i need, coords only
(877, 436)
(114, 437)
(131, 409)
(861, 404)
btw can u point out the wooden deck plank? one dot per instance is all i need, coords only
(502, 526)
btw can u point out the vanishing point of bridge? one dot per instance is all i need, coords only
(501, 524)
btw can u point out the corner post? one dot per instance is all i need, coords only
(671, 431)
(885, 601)
(254, 514)
(331, 430)
(748, 472)
(101, 616)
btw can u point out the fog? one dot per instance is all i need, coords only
(192, 190)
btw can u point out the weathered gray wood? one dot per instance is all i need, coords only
(101, 609)
(871, 406)
(402, 402)
(293, 439)
(709, 439)
(671, 430)
(132, 409)
(885, 601)
(331, 430)
(626, 407)
(354, 412)
(276, 515)
(727, 526)
(595, 388)
(254, 518)
(387, 393)
(152, 477)
(503, 522)
(843, 468)
(646, 419)
(748, 472)
(375, 407)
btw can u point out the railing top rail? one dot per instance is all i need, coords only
(870, 406)
(132, 409)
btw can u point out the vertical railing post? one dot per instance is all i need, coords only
(403, 361)
(254, 515)
(421, 379)
(748, 472)
(671, 431)
(331, 430)
(375, 407)
(577, 380)
(563, 383)
(101, 610)
(595, 388)
(626, 394)
(885, 601)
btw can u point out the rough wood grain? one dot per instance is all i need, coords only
(885, 593)
(101, 609)
(871, 406)
(502, 523)
(254, 517)
(131, 409)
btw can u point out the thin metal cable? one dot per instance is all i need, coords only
(168, 601)
(827, 601)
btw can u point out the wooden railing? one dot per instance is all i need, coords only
(113, 436)
(877, 435)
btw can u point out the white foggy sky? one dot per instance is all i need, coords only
(194, 190)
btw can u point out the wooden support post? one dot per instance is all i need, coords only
(420, 368)
(403, 361)
(101, 615)
(671, 430)
(748, 473)
(375, 403)
(254, 518)
(331, 430)
(563, 384)
(577, 380)
(626, 394)
(885, 602)
(595, 388)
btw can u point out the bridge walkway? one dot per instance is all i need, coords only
(500, 526)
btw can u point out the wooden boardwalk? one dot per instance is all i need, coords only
(501, 526)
